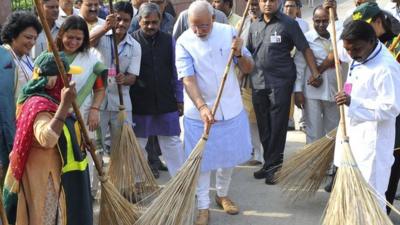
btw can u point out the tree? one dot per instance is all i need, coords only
(5, 10)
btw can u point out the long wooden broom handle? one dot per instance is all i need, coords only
(227, 68)
(61, 70)
(116, 56)
(395, 42)
(339, 76)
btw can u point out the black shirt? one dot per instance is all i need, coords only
(270, 44)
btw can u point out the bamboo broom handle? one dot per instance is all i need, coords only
(395, 42)
(61, 70)
(115, 50)
(339, 76)
(227, 68)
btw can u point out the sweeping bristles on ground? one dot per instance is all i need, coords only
(175, 204)
(129, 170)
(303, 172)
(115, 209)
(352, 200)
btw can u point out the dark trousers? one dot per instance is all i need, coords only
(395, 172)
(153, 152)
(272, 113)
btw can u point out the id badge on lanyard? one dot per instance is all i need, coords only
(275, 38)
(112, 72)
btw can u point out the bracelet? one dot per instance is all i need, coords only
(95, 108)
(59, 119)
(202, 106)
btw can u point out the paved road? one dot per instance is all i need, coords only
(262, 204)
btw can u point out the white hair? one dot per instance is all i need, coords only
(200, 6)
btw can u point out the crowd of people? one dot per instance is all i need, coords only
(171, 67)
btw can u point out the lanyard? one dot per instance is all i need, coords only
(119, 52)
(372, 57)
(28, 63)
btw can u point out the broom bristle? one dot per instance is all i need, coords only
(352, 200)
(129, 170)
(115, 209)
(303, 172)
(176, 201)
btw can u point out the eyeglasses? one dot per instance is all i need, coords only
(200, 27)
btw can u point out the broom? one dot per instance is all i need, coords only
(175, 204)
(352, 200)
(394, 44)
(119, 210)
(129, 170)
(304, 171)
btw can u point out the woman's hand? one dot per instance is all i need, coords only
(68, 95)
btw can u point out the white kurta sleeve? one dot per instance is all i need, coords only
(183, 61)
(385, 106)
(301, 66)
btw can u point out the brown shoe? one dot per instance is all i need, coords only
(227, 204)
(202, 217)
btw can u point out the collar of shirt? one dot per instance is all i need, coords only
(127, 39)
(152, 38)
(373, 54)
(61, 12)
(278, 15)
(313, 35)
(230, 14)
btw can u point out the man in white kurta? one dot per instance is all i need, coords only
(372, 97)
(320, 110)
(201, 56)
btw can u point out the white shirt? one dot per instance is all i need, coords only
(41, 41)
(62, 16)
(303, 24)
(206, 60)
(130, 54)
(339, 28)
(321, 48)
(370, 118)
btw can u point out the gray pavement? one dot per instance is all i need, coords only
(263, 204)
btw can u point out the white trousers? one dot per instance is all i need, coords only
(172, 151)
(223, 179)
(256, 143)
(320, 117)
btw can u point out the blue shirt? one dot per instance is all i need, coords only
(7, 103)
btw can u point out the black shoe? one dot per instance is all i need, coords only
(261, 173)
(155, 172)
(270, 178)
(163, 167)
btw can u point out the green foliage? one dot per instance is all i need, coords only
(22, 5)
